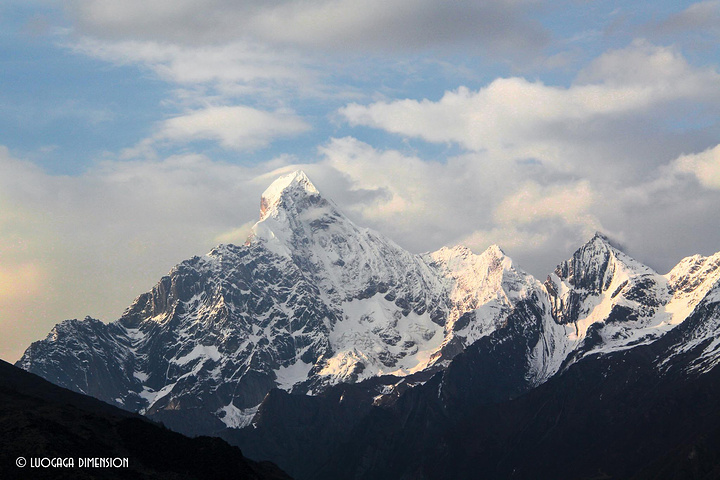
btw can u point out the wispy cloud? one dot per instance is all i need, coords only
(700, 16)
(234, 127)
(226, 67)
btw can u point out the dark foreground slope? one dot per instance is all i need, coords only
(39, 419)
(623, 415)
(606, 418)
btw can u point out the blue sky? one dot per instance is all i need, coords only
(136, 134)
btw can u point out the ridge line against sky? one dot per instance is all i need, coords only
(136, 134)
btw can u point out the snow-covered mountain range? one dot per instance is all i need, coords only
(312, 300)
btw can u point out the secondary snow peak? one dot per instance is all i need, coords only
(495, 251)
(589, 264)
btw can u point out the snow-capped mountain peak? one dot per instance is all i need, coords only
(480, 277)
(595, 264)
(693, 281)
(285, 192)
(481, 288)
(293, 214)
(609, 300)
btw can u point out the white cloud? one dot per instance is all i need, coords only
(533, 202)
(535, 120)
(506, 112)
(420, 204)
(471, 199)
(509, 237)
(537, 214)
(234, 127)
(705, 166)
(662, 72)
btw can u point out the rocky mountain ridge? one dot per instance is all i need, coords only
(312, 301)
